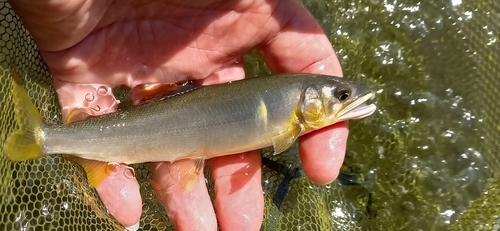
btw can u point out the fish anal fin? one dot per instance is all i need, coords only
(284, 140)
(188, 171)
(96, 171)
(144, 93)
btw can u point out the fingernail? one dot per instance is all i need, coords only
(133, 227)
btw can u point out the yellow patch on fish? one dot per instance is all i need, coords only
(262, 114)
(312, 113)
(285, 139)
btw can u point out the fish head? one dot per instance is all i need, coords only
(334, 100)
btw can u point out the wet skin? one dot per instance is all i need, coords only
(91, 45)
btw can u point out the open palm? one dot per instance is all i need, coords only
(91, 45)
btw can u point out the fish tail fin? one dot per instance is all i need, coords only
(24, 144)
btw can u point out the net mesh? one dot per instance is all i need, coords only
(417, 164)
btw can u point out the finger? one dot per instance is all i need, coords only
(232, 72)
(301, 46)
(238, 190)
(188, 210)
(120, 191)
(179, 205)
(121, 195)
(239, 199)
(322, 152)
(92, 99)
(57, 25)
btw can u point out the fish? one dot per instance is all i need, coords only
(196, 122)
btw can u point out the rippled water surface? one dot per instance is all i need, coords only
(418, 162)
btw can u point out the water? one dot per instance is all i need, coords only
(419, 160)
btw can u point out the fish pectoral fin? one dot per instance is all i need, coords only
(284, 140)
(145, 93)
(96, 171)
(189, 171)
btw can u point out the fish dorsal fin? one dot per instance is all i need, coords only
(188, 171)
(145, 93)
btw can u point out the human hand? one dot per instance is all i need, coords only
(92, 46)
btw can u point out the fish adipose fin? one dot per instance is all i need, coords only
(189, 171)
(23, 144)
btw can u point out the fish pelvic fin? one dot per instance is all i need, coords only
(189, 171)
(24, 143)
(96, 171)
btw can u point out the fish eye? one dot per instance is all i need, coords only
(342, 93)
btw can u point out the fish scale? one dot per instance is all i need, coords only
(207, 122)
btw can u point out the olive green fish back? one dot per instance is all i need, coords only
(418, 163)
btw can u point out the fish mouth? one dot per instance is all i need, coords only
(358, 108)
